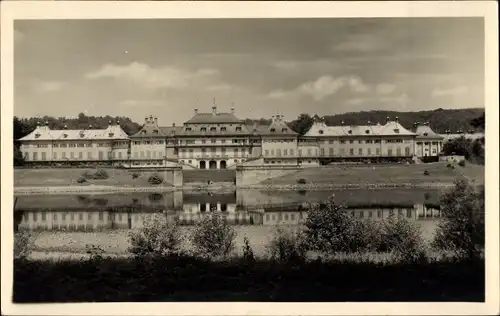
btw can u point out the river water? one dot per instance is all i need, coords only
(66, 224)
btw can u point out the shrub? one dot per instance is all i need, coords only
(81, 180)
(155, 179)
(461, 227)
(135, 175)
(330, 229)
(462, 163)
(426, 173)
(301, 181)
(449, 165)
(157, 237)
(213, 236)
(100, 174)
(248, 255)
(403, 238)
(23, 244)
(287, 247)
(95, 252)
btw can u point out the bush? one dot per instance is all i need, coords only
(301, 181)
(330, 229)
(23, 244)
(287, 247)
(462, 163)
(81, 180)
(99, 174)
(135, 175)
(461, 227)
(157, 237)
(155, 179)
(403, 238)
(449, 165)
(213, 236)
(426, 173)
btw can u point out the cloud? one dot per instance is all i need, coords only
(327, 85)
(385, 88)
(141, 103)
(220, 87)
(300, 65)
(401, 100)
(360, 43)
(459, 90)
(154, 78)
(48, 86)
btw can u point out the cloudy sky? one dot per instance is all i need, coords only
(168, 67)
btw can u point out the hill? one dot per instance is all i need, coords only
(440, 120)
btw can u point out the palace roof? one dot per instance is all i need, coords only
(213, 118)
(425, 132)
(112, 132)
(391, 128)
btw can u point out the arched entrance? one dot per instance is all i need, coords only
(223, 164)
(203, 165)
(213, 164)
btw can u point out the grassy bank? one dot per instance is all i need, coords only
(190, 279)
(383, 174)
(61, 177)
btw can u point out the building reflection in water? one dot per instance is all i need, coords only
(108, 212)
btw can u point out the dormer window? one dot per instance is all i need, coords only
(155, 131)
(284, 130)
(213, 129)
(222, 129)
(37, 135)
(273, 130)
(65, 135)
(350, 132)
(396, 131)
(82, 135)
(425, 134)
(238, 129)
(321, 131)
(111, 134)
(143, 131)
(188, 129)
(367, 131)
(203, 129)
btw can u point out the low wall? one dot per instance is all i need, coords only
(250, 175)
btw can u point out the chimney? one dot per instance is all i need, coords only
(65, 126)
(369, 122)
(156, 121)
(232, 111)
(38, 123)
(90, 126)
(273, 119)
(387, 119)
(109, 123)
(214, 110)
(254, 126)
(117, 122)
(146, 121)
(195, 111)
(397, 119)
(46, 123)
(173, 124)
(342, 122)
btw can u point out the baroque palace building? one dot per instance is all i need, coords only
(216, 140)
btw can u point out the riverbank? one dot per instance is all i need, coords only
(194, 279)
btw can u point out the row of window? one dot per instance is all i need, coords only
(212, 129)
(331, 152)
(360, 214)
(149, 154)
(73, 216)
(148, 142)
(73, 155)
(73, 145)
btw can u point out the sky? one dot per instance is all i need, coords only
(261, 67)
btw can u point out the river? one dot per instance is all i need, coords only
(66, 224)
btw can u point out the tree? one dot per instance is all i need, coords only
(478, 122)
(302, 124)
(461, 228)
(458, 146)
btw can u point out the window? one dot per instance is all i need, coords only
(309, 152)
(320, 132)
(360, 141)
(272, 152)
(120, 155)
(360, 151)
(342, 141)
(389, 152)
(367, 131)
(285, 152)
(300, 152)
(80, 155)
(407, 151)
(266, 152)
(369, 151)
(72, 155)
(278, 152)
(351, 142)
(188, 129)
(213, 129)
(322, 151)
(213, 141)
(273, 130)
(63, 155)
(203, 129)
(223, 151)
(222, 129)
(330, 151)
(350, 132)
(291, 152)
(377, 150)
(213, 150)
(238, 129)
(398, 151)
(284, 130)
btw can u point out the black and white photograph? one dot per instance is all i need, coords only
(231, 157)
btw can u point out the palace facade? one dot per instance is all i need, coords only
(215, 140)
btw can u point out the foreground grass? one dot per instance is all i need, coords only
(191, 279)
(378, 174)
